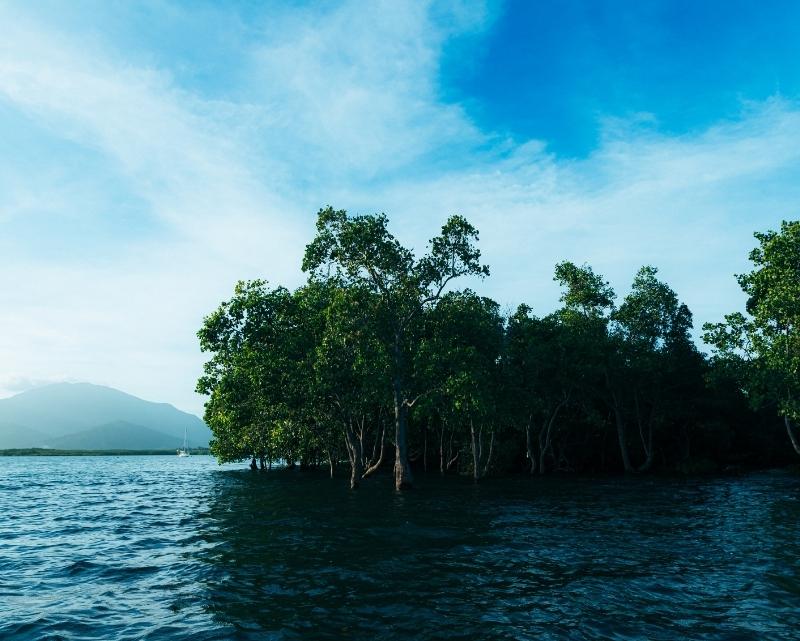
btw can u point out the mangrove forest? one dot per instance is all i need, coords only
(385, 360)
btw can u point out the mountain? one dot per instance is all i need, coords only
(119, 435)
(43, 415)
(13, 436)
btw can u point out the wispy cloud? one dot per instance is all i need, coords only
(352, 94)
(177, 152)
(687, 204)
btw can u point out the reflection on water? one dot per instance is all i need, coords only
(167, 548)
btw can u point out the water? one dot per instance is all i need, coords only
(168, 548)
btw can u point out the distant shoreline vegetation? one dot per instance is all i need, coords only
(44, 451)
(378, 362)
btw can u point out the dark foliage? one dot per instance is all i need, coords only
(379, 362)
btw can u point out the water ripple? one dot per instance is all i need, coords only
(167, 548)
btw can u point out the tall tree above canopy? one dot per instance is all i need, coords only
(654, 331)
(584, 290)
(651, 317)
(588, 309)
(768, 337)
(360, 251)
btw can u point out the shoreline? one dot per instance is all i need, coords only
(43, 451)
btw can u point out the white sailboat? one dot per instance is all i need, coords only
(184, 451)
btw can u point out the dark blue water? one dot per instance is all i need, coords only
(169, 548)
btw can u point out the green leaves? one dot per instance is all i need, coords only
(452, 254)
(768, 337)
(358, 249)
(585, 291)
(460, 353)
(337, 349)
(256, 346)
(651, 317)
(379, 334)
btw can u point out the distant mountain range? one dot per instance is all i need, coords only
(93, 417)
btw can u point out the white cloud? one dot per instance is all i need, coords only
(687, 205)
(174, 150)
(351, 95)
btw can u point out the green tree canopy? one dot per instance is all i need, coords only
(359, 251)
(767, 337)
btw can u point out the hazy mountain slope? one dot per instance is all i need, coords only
(12, 436)
(67, 408)
(119, 435)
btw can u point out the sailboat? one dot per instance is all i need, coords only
(184, 451)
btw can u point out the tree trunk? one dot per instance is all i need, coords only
(453, 460)
(529, 447)
(402, 469)
(361, 447)
(380, 438)
(331, 462)
(648, 448)
(619, 419)
(548, 432)
(358, 469)
(790, 432)
(647, 443)
(374, 467)
(489, 455)
(441, 450)
(450, 458)
(476, 452)
(623, 445)
(355, 455)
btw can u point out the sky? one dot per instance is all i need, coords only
(153, 153)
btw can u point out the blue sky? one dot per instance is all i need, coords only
(152, 153)
(554, 70)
